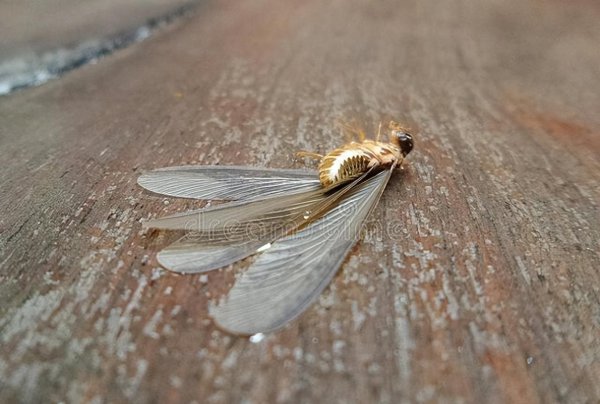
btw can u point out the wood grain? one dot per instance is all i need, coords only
(477, 280)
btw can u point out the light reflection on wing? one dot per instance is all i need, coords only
(287, 277)
(227, 183)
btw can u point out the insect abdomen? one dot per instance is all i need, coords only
(341, 165)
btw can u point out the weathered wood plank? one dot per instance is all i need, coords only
(477, 280)
(40, 40)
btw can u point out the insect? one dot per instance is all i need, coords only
(298, 225)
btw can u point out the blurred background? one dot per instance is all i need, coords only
(40, 40)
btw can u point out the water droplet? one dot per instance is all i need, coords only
(529, 360)
(256, 338)
(306, 214)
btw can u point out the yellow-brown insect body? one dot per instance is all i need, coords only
(354, 159)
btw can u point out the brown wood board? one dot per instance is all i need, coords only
(477, 279)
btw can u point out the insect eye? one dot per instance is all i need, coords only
(405, 141)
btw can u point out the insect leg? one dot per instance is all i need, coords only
(351, 131)
(362, 136)
(378, 132)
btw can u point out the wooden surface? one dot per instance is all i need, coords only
(478, 279)
(31, 26)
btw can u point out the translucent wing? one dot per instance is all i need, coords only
(227, 216)
(227, 183)
(185, 256)
(287, 277)
(227, 233)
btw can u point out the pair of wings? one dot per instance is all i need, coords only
(302, 232)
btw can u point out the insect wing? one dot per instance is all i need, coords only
(228, 233)
(287, 277)
(226, 217)
(227, 183)
(188, 257)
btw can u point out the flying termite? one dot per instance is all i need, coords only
(299, 225)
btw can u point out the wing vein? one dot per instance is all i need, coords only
(287, 277)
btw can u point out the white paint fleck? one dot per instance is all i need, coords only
(523, 270)
(231, 359)
(358, 317)
(150, 328)
(338, 346)
(136, 380)
(175, 310)
(156, 273)
(175, 381)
